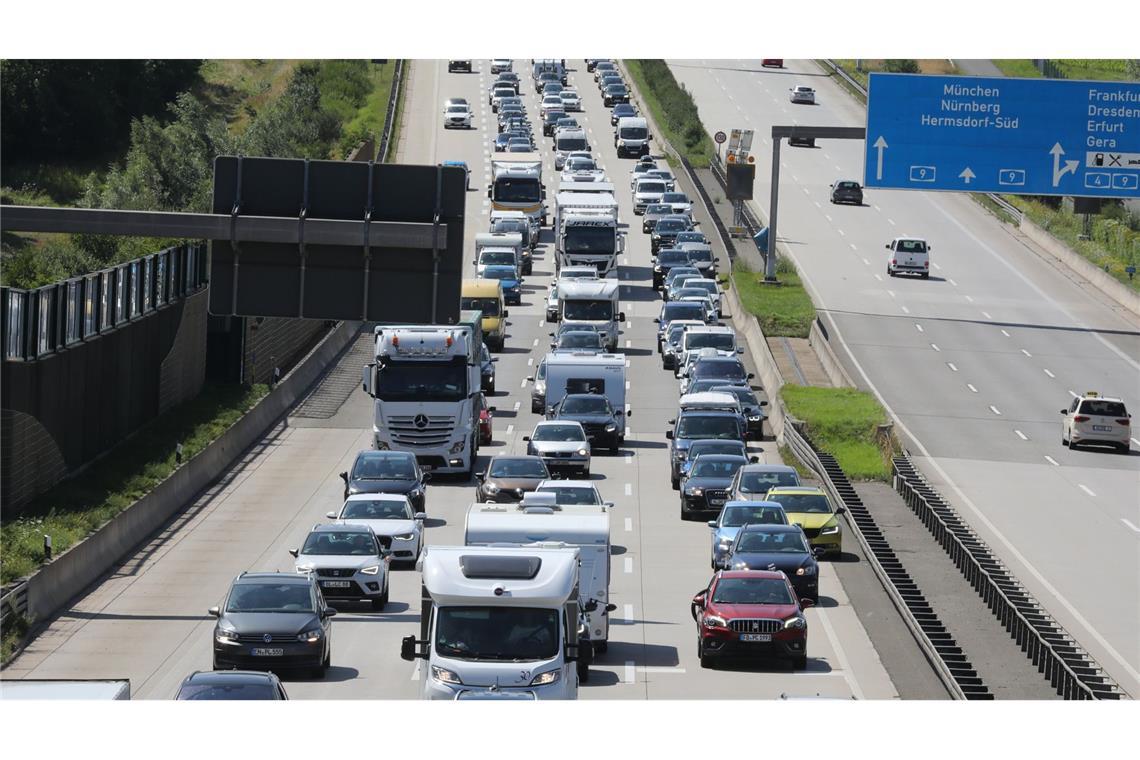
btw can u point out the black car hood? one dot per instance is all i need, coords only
(363, 485)
(275, 623)
(789, 563)
(584, 418)
(708, 482)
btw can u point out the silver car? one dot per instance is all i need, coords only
(562, 445)
(654, 212)
(349, 562)
(390, 517)
(734, 515)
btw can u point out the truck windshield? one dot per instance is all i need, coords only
(517, 190)
(592, 310)
(422, 381)
(497, 257)
(497, 633)
(489, 306)
(634, 133)
(588, 239)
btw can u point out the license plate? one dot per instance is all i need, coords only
(334, 584)
(427, 467)
(755, 637)
(270, 652)
(716, 502)
(1103, 428)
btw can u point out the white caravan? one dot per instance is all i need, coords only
(584, 372)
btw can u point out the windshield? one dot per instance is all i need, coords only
(489, 306)
(722, 341)
(803, 502)
(658, 208)
(751, 591)
(670, 225)
(580, 164)
(499, 272)
(730, 370)
(760, 482)
(422, 381)
(354, 544)
(689, 236)
(587, 405)
(237, 691)
(700, 254)
(581, 238)
(682, 310)
(376, 509)
(672, 257)
(675, 198)
(744, 395)
(518, 190)
(651, 187)
(270, 597)
(517, 467)
(736, 517)
(786, 542)
(588, 310)
(708, 286)
(510, 225)
(715, 469)
(497, 633)
(572, 494)
(558, 433)
(570, 143)
(457, 109)
(678, 274)
(634, 133)
(701, 426)
(580, 340)
(497, 257)
(687, 292)
(384, 466)
(715, 447)
(849, 185)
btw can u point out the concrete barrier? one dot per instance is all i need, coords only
(820, 342)
(1102, 280)
(55, 584)
(770, 377)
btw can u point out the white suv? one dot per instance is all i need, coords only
(349, 562)
(1093, 418)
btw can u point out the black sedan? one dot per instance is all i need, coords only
(273, 621)
(387, 472)
(550, 119)
(705, 487)
(666, 230)
(847, 191)
(777, 547)
(231, 684)
(614, 94)
(752, 407)
(622, 111)
(604, 425)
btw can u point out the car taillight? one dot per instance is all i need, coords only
(1122, 422)
(1080, 418)
(926, 264)
(893, 262)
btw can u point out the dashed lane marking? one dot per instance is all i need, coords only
(1021, 435)
(971, 387)
(1086, 489)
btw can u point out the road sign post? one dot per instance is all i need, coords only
(998, 135)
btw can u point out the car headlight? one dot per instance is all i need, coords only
(715, 621)
(680, 454)
(381, 445)
(796, 622)
(695, 491)
(370, 570)
(611, 427)
(491, 487)
(583, 452)
(307, 568)
(310, 636)
(459, 446)
(549, 676)
(404, 536)
(443, 675)
(540, 387)
(806, 570)
(754, 418)
(830, 529)
(225, 635)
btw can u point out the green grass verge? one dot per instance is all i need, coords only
(1107, 69)
(371, 115)
(784, 309)
(789, 458)
(844, 423)
(74, 508)
(1017, 67)
(672, 108)
(14, 633)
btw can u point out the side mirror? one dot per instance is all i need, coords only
(408, 648)
(840, 510)
(328, 612)
(763, 403)
(929, 248)
(526, 438)
(492, 409)
(591, 605)
(629, 413)
(621, 316)
(887, 246)
(530, 378)
(344, 477)
(657, 320)
(420, 516)
(611, 607)
(426, 477)
(750, 375)
(330, 515)
(672, 422)
(699, 599)
(754, 459)
(480, 476)
(1064, 411)
(494, 360)
(294, 552)
(712, 523)
(669, 434)
(740, 349)
(506, 314)
(818, 551)
(488, 192)
(806, 602)
(214, 612)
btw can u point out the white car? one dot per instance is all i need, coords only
(349, 561)
(390, 517)
(563, 446)
(1093, 418)
(801, 93)
(666, 176)
(709, 286)
(646, 191)
(548, 102)
(582, 169)
(499, 65)
(572, 492)
(457, 116)
(908, 255)
(570, 100)
(680, 203)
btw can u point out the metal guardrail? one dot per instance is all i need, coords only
(1069, 669)
(853, 83)
(393, 100)
(13, 603)
(949, 661)
(54, 317)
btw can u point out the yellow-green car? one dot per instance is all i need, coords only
(809, 507)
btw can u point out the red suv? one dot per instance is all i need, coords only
(750, 613)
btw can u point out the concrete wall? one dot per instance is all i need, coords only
(770, 378)
(56, 583)
(278, 342)
(820, 341)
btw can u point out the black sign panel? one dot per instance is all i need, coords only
(740, 177)
(390, 282)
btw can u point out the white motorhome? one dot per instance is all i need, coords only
(594, 302)
(538, 518)
(426, 379)
(499, 619)
(516, 185)
(631, 137)
(584, 372)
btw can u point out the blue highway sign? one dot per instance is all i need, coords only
(1003, 135)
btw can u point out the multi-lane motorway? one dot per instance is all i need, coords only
(974, 362)
(147, 621)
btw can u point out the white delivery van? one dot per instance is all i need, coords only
(631, 136)
(499, 241)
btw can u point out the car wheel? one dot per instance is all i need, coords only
(602, 646)
(1072, 445)
(890, 272)
(926, 275)
(676, 484)
(378, 604)
(583, 672)
(800, 662)
(384, 597)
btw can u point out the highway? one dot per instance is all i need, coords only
(974, 363)
(147, 620)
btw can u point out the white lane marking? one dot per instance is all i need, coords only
(629, 325)
(970, 299)
(971, 387)
(1135, 441)
(629, 489)
(841, 233)
(878, 277)
(1086, 489)
(1021, 435)
(951, 366)
(891, 293)
(877, 208)
(994, 409)
(853, 247)
(542, 323)
(627, 362)
(510, 429)
(628, 343)
(868, 263)
(1050, 374)
(986, 314)
(935, 265)
(1130, 525)
(892, 221)
(629, 458)
(416, 671)
(627, 613)
(816, 202)
(1052, 461)
(536, 341)
(627, 433)
(630, 673)
(1073, 394)
(1026, 353)
(827, 217)
(627, 382)
(517, 405)
(951, 281)
(905, 310)
(530, 362)
(919, 328)
(1003, 332)
(523, 385)
(627, 566)
(935, 346)
(629, 525)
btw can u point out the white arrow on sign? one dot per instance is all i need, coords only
(880, 144)
(967, 175)
(1058, 171)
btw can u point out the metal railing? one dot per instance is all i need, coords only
(1069, 669)
(393, 100)
(854, 84)
(55, 317)
(950, 663)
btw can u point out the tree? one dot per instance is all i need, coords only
(901, 66)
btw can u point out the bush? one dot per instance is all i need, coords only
(901, 65)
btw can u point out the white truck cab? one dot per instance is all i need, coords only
(595, 302)
(499, 618)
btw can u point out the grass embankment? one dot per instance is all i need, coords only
(784, 310)
(867, 65)
(74, 508)
(844, 423)
(672, 108)
(1108, 69)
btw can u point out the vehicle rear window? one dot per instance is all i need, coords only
(236, 691)
(1103, 408)
(683, 310)
(760, 482)
(737, 517)
(650, 187)
(912, 246)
